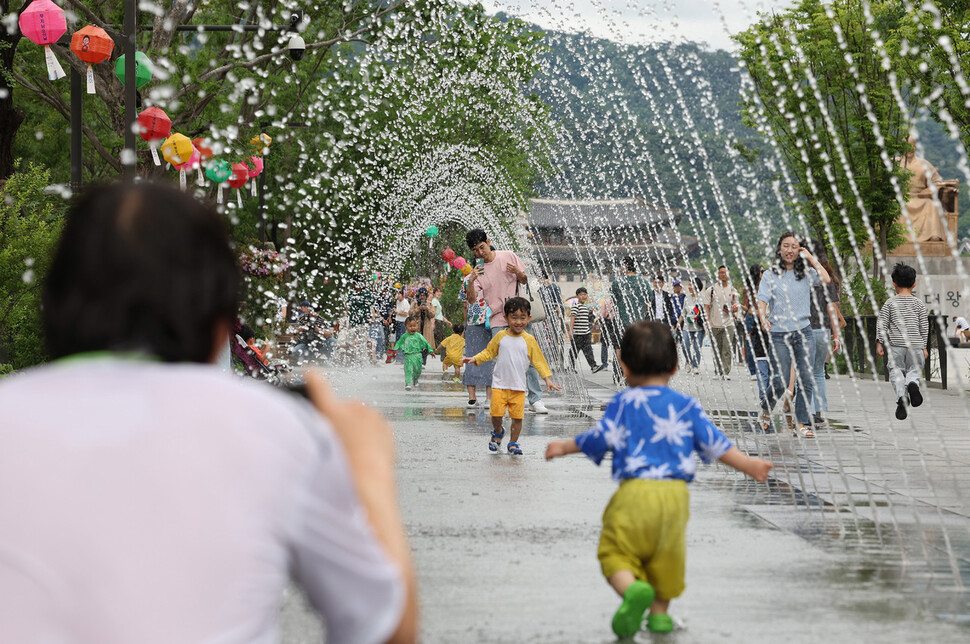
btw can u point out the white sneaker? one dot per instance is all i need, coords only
(539, 408)
(697, 371)
(754, 378)
(471, 404)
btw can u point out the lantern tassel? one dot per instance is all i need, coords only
(54, 69)
(201, 180)
(252, 184)
(219, 194)
(182, 179)
(239, 198)
(90, 76)
(155, 155)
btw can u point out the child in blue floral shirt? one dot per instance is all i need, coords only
(654, 433)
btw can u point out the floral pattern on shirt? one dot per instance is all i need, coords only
(654, 433)
(477, 309)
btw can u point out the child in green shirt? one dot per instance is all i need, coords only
(411, 344)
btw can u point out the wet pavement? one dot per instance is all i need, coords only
(861, 535)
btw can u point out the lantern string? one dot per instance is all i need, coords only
(54, 69)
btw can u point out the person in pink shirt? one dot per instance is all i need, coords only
(498, 274)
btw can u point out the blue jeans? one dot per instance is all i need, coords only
(532, 381)
(798, 348)
(748, 351)
(820, 401)
(764, 368)
(693, 341)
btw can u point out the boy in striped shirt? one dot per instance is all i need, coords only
(581, 319)
(904, 328)
(513, 351)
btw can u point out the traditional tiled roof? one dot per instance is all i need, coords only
(600, 214)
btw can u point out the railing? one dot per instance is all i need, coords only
(859, 342)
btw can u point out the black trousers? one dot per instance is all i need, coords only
(582, 343)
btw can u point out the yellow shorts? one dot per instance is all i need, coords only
(503, 399)
(645, 532)
(451, 362)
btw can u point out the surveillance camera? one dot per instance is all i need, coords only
(297, 47)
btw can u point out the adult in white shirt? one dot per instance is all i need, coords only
(146, 497)
(961, 328)
(721, 305)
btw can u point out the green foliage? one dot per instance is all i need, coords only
(822, 93)
(29, 227)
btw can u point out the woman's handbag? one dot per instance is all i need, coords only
(538, 308)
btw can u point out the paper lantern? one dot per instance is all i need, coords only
(261, 142)
(195, 161)
(219, 171)
(458, 262)
(255, 167)
(397, 285)
(43, 23)
(431, 231)
(202, 146)
(240, 175)
(153, 126)
(466, 269)
(143, 69)
(447, 254)
(177, 149)
(93, 45)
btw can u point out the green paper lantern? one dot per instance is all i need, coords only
(432, 231)
(143, 69)
(219, 171)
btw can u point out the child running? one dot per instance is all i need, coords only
(412, 345)
(653, 433)
(453, 348)
(904, 327)
(515, 350)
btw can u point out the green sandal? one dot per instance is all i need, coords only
(660, 623)
(636, 601)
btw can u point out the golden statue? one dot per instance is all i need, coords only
(928, 222)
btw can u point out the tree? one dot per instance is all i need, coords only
(822, 93)
(29, 227)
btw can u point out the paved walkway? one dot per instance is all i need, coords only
(860, 536)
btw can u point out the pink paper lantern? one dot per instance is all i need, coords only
(458, 262)
(195, 161)
(255, 165)
(43, 23)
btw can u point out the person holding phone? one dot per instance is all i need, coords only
(498, 274)
(784, 311)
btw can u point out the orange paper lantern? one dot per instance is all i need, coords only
(93, 45)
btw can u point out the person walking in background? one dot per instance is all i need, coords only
(581, 319)
(825, 320)
(632, 297)
(720, 307)
(415, 348)
(477, 336)
(677, 305)
(663, 309)
(441, 323)
(903, 327)
(452, 349)
(610, 334)
(176, 503)
(691, 324)
(402, 308)
(786, 292)
(499, 277)
(749, 307)
(551, 296)
(654, 434)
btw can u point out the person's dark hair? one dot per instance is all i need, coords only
(754, 275)
(904, 276)
(411, 318)
(514, 304)
(629, 264)
(698, 283)
(660, 278)
(582, 289)
(140, 267)
(798, 265)
(648, 349)
(722, 266)
(474, 237)
(457, 329)
(247, 333)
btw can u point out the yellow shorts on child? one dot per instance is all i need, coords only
(510, 399)
(645, 532)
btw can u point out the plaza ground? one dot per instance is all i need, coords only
(861, 535)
